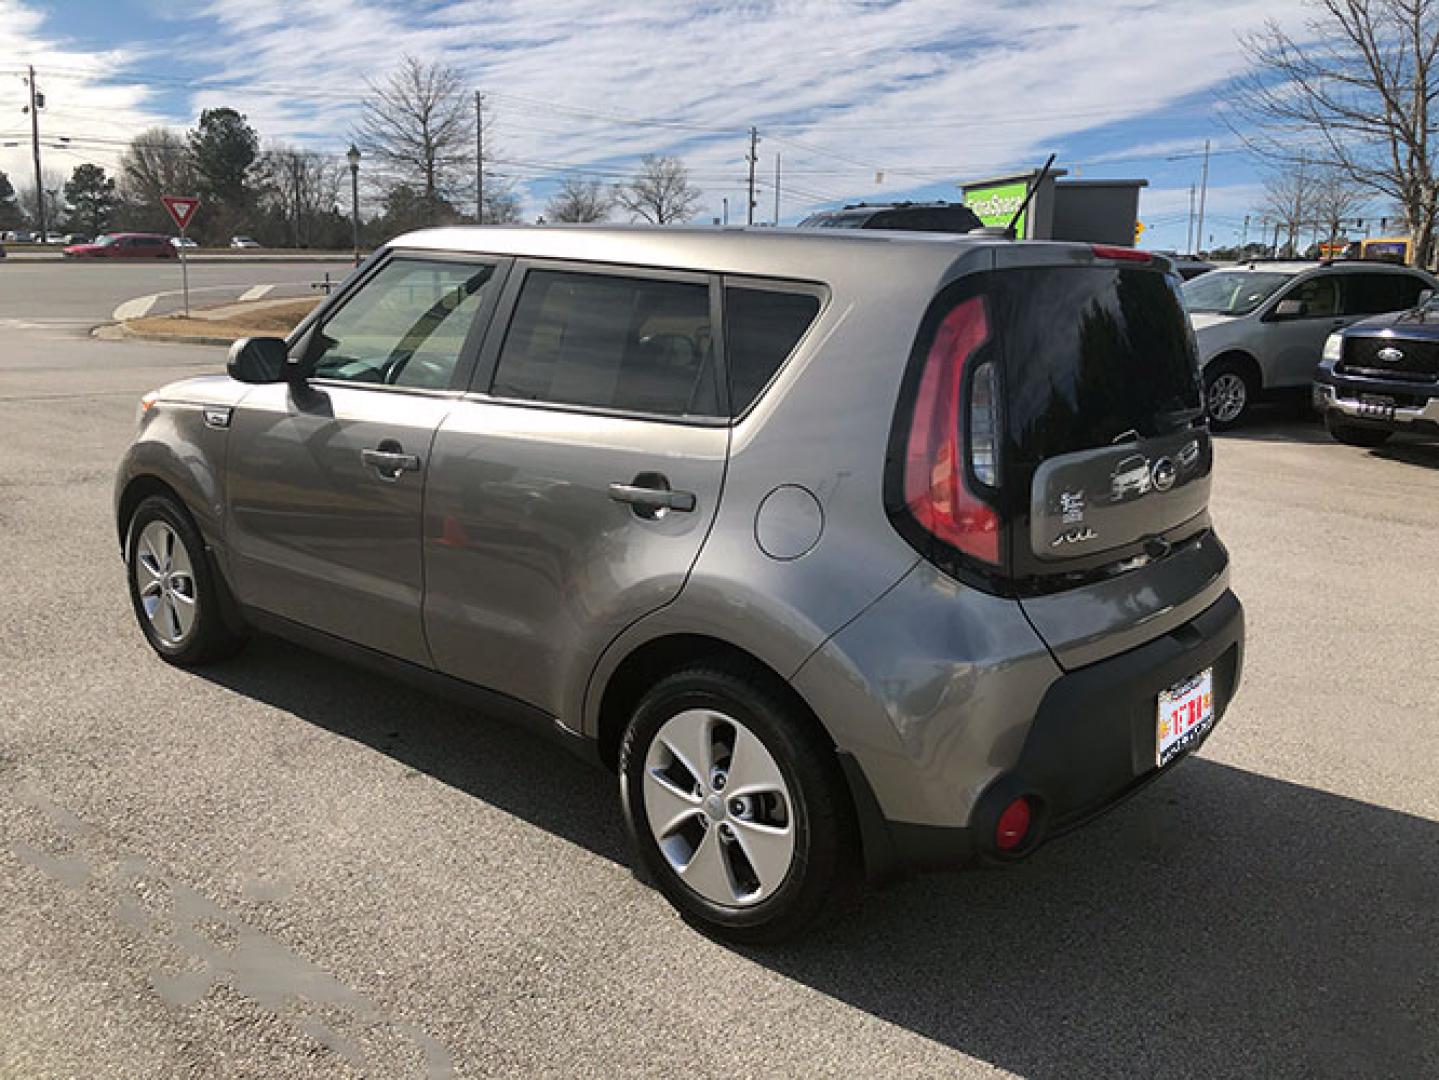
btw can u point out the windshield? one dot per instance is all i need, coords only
(1231, 292)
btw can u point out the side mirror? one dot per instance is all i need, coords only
(1289, 309)
(258, 360)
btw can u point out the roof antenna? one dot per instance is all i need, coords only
(1028, 197)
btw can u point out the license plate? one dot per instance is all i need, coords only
(1379, 408)
(1186, 712)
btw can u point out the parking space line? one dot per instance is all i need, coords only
(136, 308)
(257, 292)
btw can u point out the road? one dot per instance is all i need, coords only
(45, 294)
(283, 867)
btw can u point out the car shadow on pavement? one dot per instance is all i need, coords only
(1221, 923)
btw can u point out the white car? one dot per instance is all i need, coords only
(183, 242)
(243, 242)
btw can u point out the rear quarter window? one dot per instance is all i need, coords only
(762, 327)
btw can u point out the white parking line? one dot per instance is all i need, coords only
(258, 292)
(141, 306)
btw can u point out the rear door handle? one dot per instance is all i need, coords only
(389, 463)
(649, 501)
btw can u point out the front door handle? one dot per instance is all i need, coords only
(389, 460)
(651, 496)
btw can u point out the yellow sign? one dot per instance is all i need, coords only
(1138, 230)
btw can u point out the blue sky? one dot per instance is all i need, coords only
(863, 99)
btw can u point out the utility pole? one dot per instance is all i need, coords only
(1189, 235)
(296, 165)
(1203, 191)
(479, 158)
(725, 201)
(1244, 240)
(1276, 239)
(776, 188)
(751, 158)
(37, 102)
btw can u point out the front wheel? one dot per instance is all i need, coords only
(1354, 435)
(736, 806)
(174, 591)
(1228, 393)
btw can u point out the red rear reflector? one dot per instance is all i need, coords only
(934, 468)
(1013, 825)
(1109, 251)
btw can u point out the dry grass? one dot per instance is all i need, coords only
(272, 320)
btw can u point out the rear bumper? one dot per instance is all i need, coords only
(1091, 745)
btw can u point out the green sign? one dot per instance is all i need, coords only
(996, 204)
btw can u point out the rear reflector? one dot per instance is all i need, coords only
(935, 489)
(1124, 254)
(1013, 825)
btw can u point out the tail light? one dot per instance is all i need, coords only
(954, 437)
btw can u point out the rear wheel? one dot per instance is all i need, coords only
(736, 806)
(174, 592)
(1354, 435)
(1228, 392)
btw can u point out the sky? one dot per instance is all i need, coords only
(871, 100)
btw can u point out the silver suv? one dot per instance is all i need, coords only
(849, 553)
(1261, 327)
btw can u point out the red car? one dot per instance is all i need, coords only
(124, 246)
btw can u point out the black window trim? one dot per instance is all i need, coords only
(481, 384)
(300, 337)
(818, 290)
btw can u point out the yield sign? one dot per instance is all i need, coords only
(182, 208)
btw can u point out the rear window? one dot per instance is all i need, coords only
(1094, 357)
(762, 327)
(630, 344)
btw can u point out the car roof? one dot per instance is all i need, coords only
(783, 252)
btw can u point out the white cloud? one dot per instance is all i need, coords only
(930, 91)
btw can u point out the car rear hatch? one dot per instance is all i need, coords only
(1056, 449)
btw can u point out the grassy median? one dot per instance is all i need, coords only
(268, 318)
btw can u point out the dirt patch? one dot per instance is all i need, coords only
(274, 319)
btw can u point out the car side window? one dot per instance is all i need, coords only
(1319, 295)
(611, 342)
(406, 326)
(762, 327)
(1377, 293)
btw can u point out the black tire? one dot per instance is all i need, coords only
(1355, 435)
(824, 872)
(207, 637)
(1227, 384)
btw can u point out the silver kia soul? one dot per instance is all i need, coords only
(850, 554)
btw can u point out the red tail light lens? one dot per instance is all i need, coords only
(936, 491)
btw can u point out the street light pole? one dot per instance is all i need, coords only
(354, 158)
(37, 102)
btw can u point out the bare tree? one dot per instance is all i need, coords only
(420, 121)
(1358, 88)
(660, 193)
(502, 205)
(53, 188)
(580, 201)
(157, 162)
(300, 185)
(1337, 199)
(1289, 194)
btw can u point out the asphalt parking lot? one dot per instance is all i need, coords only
(281, 866)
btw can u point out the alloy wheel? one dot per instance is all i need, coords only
(165, 583)
(718, 808)
(1228, 395)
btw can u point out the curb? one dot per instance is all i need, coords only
(122, 332)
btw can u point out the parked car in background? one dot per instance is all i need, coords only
(1189, 267)
(1261, 327)
(842, 589)
(20, 236)
(55, 238)
(243, 242)
(2, 251)
(76, 238)
(1381, 376)
(905, 216)
(123, 246)
(185, 242)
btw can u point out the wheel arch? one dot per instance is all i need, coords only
(1241, 360)
(647, 663)
(137, 490)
